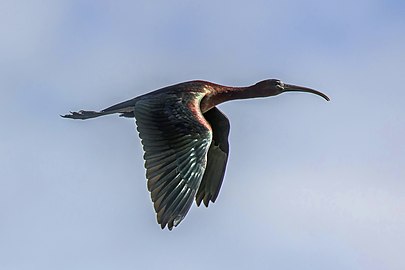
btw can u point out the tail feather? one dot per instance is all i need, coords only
(125, 109)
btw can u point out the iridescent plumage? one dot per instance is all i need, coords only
(185, 140)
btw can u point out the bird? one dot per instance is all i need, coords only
(185, 139)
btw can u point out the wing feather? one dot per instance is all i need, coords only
(217, 157)
(175, 140)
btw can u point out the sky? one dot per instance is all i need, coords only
(310, 184)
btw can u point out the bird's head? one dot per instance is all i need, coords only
(274, 87)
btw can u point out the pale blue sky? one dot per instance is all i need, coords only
(310, 184)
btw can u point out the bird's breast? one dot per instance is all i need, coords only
(195, 107)
(206, 104)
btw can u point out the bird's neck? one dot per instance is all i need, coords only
(221, 94)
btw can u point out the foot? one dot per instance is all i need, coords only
(82, 115)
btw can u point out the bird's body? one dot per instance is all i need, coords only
(185, 139)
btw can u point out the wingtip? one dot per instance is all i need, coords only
(205, 200)
(166, 225)
(198, 201)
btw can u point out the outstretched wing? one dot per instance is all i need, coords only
(216, 159)
(175, 138)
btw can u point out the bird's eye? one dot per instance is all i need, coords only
(280, 84)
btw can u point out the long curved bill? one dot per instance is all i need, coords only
(291, 87)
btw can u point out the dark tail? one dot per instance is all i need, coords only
(125, 109)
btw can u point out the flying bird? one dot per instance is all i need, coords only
(185, 139)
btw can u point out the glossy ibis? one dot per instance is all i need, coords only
(185, 139)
